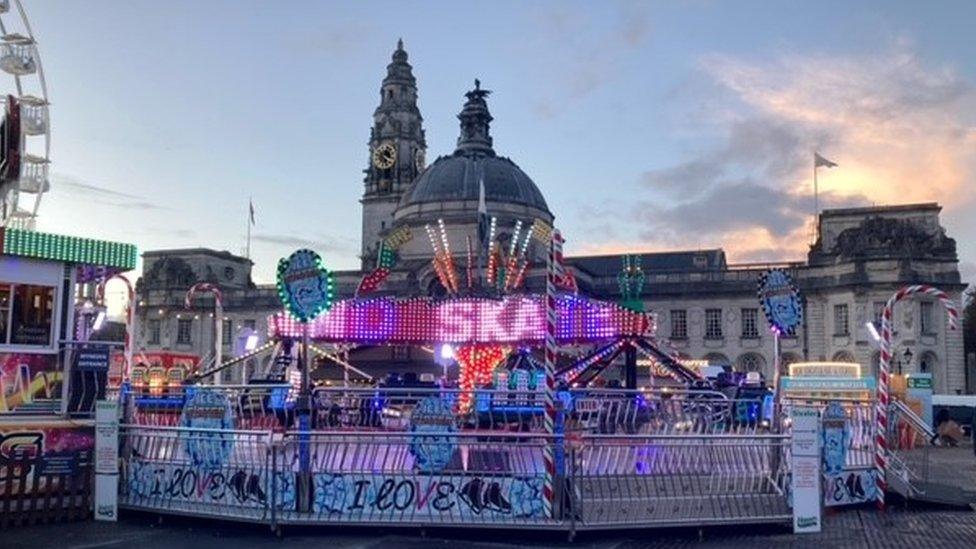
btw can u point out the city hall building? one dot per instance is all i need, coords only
(704, 305)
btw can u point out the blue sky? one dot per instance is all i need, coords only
(647, 126)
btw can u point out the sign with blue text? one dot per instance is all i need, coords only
(780, 301)
(304, 285)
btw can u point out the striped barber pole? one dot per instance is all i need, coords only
(130, 319)
(553, 273)
(884, 369)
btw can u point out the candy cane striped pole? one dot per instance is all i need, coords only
(553, 268)
(881, 427)
(201, 287)
(130, 320)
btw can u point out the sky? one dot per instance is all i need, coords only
(647, 126)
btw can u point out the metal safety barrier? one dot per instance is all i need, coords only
(419, 457)
(641, 481)
(199, 472)
(456, 479)
(908, 443)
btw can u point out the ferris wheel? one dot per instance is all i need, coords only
(25, 133)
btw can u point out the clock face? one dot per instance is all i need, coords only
(421, 158)
(384, 156)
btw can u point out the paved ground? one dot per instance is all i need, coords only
(851, 528)
(953, 465)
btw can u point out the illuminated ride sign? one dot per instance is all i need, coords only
(513, 320)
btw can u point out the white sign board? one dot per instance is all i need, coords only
(806, 470)
(107, 497)
(106, 460)
(106, 437)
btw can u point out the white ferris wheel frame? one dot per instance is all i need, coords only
(13, 194)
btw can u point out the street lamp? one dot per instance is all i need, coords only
(908, 358)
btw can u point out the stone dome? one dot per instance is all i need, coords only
(456, 179)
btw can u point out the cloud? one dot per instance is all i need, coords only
(900, 130)
(69, 184)
(322, 244)
(586, 56)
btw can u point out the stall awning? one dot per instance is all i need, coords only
(70, 249)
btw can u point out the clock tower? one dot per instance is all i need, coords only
(397, 150)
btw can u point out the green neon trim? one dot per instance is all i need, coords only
(70, 249)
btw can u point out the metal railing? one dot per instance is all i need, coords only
(486, 479)
(415, 457)
(909, 439)
(861, 420)
(199, 472)
(253, 407)
(627, 481)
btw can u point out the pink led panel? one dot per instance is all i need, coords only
(512, 320)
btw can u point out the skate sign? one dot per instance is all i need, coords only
(304, 285)
(780, 301)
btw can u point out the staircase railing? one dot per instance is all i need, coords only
(909, 438)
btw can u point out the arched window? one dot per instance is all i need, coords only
(844, 356)
(750, 362)
(928, 363)
(717, 359)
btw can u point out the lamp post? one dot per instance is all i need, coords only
(907, 356)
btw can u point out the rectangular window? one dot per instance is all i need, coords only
(842, 326)
(31, 310)
(925, 317)
(713, 323)
(225, 336)
(184, 331)
(155, 330)
(750, 326)
(679, 324)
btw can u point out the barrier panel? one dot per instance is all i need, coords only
(200, 472)
(451, 479)
(646, 481)
(859, 452)
(413, 457)
(908, 443)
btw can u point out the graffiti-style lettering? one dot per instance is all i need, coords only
(850, 488)
(379, 494)
(186, 483)
(360, 500)
(444, 500)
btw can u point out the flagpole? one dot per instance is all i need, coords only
(816, 202)
(247, 249)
